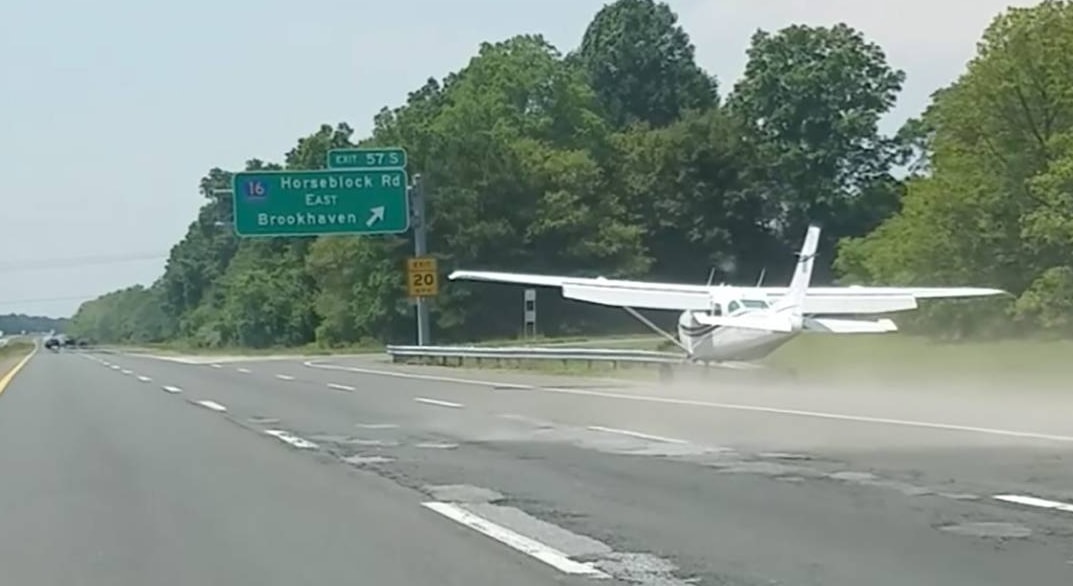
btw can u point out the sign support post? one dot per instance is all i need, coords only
(529, 326)
(417, 204)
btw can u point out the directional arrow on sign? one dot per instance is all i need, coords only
(376, 214)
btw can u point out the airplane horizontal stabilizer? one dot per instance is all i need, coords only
(849, 326)
(850, 304)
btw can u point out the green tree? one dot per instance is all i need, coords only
(16, 323)
(131, 315)
(687, 186)
(641, 66)
(812, 98)
(995, 207)
(510, 154)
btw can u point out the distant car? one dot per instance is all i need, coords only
(52, 344)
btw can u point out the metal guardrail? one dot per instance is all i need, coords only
(460, 353)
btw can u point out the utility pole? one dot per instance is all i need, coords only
(417, 205)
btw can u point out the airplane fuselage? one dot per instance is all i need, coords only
(708, 343)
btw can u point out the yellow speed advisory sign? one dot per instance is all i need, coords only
(422, 280)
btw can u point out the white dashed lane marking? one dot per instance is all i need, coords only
(438, 403)
(244, 370)
(549, 555)
(340, 387)
(212, 405)
(637, 434)
(172, 389)
(1032, 501)
(284, 377)
(144, 379)
(125, 371)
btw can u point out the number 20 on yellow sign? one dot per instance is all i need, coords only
(421, 277)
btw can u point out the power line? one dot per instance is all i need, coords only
(6, 302)
(77, 262)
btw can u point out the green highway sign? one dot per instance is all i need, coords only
(315, 203)
(371, 158)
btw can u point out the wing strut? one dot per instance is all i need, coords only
(656, 329)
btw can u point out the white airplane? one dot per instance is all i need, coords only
(727, 324)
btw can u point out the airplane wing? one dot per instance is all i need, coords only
(614, 292)
(872, 300)
(863, 292)
(681, 297)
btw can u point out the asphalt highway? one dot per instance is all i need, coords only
(108, 481)
(125, 469)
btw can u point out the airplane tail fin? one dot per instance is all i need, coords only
(795, 295)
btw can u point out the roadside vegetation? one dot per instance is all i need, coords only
(622, 157)
(15, 349)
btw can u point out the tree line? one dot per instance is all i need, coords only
(16, 323)
(624, 158)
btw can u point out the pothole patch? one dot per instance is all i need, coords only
(359, 459)
(437, 445)
(264, 420)
(784, 456)
(462, 493)
(640, 568)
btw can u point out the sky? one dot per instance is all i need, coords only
(112, 110)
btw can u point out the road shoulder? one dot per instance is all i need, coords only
(11, 364)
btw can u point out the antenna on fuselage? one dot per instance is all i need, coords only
(760, 281)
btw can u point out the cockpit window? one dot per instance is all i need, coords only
(754, 304)
(733, 307)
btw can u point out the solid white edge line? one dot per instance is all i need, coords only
(698, 403)
(637, 434)
(212, 405)
(1035, 502)
(284, 377)
(172, 389)
(341, 387)
(530, 547)
(438, 402)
